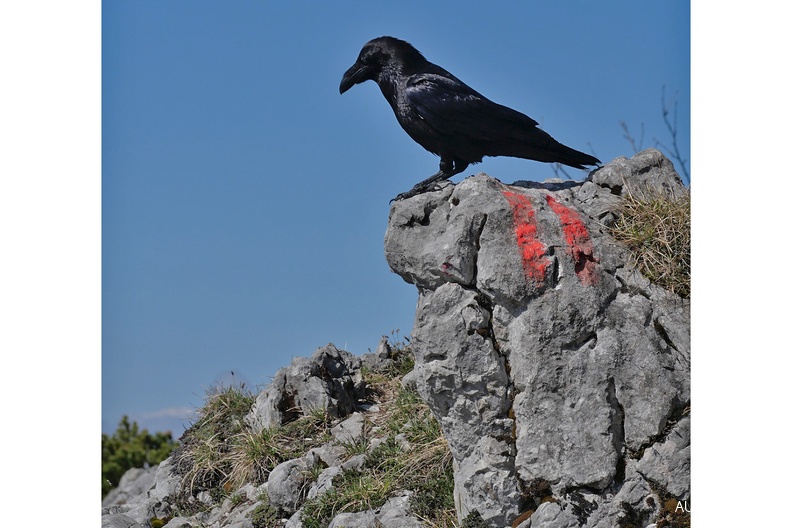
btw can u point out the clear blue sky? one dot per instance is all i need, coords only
(244, 201)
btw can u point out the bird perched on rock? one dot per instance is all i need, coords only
(447, 117)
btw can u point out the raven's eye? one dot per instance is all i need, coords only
(372, 58)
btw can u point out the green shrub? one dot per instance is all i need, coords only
(131, 448)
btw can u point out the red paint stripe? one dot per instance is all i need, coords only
(578, 241)
(533, 251)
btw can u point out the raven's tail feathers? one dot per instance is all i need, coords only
(574, 158)
(540, 146)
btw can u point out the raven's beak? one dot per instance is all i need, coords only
(354, 75)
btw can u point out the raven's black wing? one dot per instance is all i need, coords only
(468, 125)
(453, 108)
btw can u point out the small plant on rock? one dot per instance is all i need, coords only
(656, 229)
(265, 515)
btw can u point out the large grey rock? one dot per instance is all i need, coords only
(166, 481)
(132, 484)
(119, 520)
(553, 515)
(394, 514)
(668, 462)
(181, 522)
(647, 171)
(324, 482)
(330, 379)
(545, 358)
(350, 430)
(294, 521)
(364, 519)
(380, 359)
(142, 494)
(329, 454)
(629, 502)
(465, 381)
(287, 484)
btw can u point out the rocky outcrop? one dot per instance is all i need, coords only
(329, 380)
(560, 376)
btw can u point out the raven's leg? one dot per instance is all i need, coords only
(448, 168)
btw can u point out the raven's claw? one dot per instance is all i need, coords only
(415, 191)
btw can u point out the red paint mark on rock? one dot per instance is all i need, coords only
(533, 251)
(578, 241)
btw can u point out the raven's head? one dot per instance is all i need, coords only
(379, 55)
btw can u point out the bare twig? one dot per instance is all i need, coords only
(672, 129)
(591, 147)
(629, 137)
(560, 172)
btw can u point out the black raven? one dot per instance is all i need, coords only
(447, 117)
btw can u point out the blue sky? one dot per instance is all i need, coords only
(244, 201)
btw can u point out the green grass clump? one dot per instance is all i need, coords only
(656, 229)
(402, 362)
(221, 452)
(402, 411)
(255, 455)
(424, 467)
(203, 459)
(433, 499)
(352, 491)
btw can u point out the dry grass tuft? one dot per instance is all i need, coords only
(221, 452)
(656, 229)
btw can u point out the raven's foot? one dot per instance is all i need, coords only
(418, 189)
(432, 183)
(409, 194)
